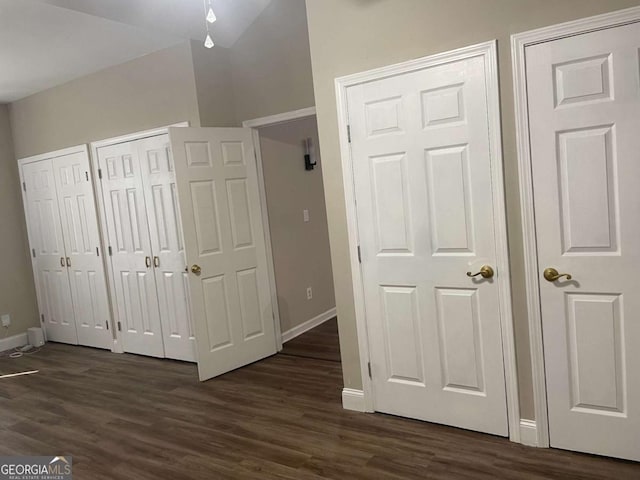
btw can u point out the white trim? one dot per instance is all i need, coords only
(529, 432)
(488, 50)
(280, 118)
(353, 400)
(519, 42)
(117, 346)
(13, 341)
(271, 269)
(308, 325)
(130, 137)
(54, 154)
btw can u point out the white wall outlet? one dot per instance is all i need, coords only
(6, 320)
(309, 293)
(305, 215)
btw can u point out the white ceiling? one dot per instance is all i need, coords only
(44, 43)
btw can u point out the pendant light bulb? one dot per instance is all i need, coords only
(208, 42)
(211, 17)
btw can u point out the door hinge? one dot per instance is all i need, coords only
(86, 174)
(100, 173)
(42, 317)
(106, 322)
(24, 186)
(97, 251)
(33, 252)
(359, 255)
(119, 327)
(110, 251)
(349, 133)
(369, 369)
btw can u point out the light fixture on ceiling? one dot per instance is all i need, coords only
(209, 18)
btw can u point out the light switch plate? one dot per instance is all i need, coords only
(6, 320)
(305, 214)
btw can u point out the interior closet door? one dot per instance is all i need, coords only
(46, 238)
(156, 165)
(82, 245)
(422, 172)
(217, 184)
(584, 108)
(135, 296)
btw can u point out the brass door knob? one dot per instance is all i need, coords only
(485, 272)
(551, 275)
(147, 262)
(195, 269)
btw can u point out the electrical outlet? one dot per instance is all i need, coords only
(305, 215)
(6, 320)
(309, 293)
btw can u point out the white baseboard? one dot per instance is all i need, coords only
(13, 341)
(308, 325)
(528, 433)
(353, 400)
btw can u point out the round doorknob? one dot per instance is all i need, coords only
(551, 275)
(196, 269)
(485, 272)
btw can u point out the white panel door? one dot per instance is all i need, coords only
(167, 243)
(46, 239)
(136, 300)
(82, 241)
(224, 239)
(422, 169)
(584, 104)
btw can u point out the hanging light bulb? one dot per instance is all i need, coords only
(209, 42)
(211, 17)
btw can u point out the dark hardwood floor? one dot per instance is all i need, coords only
(131, 417)
(320, 343)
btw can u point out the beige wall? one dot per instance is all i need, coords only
(214, 88)
(300, 250)
(271, 64)
(151, 91)
(17, 290)
(348, 36)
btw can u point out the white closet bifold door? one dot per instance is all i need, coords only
(135, 298)
(167, 243)
(83, 257)
(47, 248)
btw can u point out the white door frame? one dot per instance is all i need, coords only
(487, 50)
(519, 42)
(102, 220)
(36, 158)
(255, 124)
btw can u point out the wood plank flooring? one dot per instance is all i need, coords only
(320, 343)
(138, 418)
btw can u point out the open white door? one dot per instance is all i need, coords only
(217, 182)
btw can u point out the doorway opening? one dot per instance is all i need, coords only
(290, 171)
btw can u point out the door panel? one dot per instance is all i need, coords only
(422, 173)
(167, 243)
(231, 301)
(136, 300)
(584, 101)
(82, 241)
(46, 239)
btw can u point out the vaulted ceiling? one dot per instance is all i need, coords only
(44, 43)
